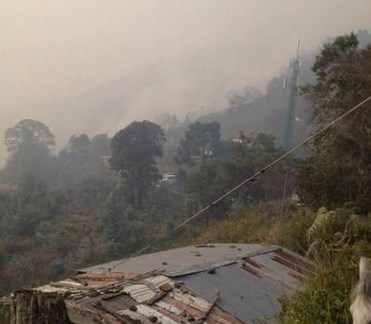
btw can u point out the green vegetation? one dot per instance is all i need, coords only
(101, 198)
(337, 239)
(134, 150)
(260, 223)
(337, 173)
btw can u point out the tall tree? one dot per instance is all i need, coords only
(27, 132)
(342, 156)
(134, 152)
(28, 144)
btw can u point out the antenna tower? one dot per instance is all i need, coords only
(293, 96)
(289, 124)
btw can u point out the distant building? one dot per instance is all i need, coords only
(6, 188)
(105, 161)
(168, 177)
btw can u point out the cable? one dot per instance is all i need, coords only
(247, 180)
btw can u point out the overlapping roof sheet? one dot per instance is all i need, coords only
(216, 283)
(155, 299)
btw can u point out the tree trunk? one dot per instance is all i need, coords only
(33, 307)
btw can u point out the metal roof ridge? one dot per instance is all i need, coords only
(193, 270)
(116, 262)
(229, 261)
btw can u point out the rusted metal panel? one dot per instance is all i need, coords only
(134, 316)
(252, 270)
(284, 268)
(156, 282)
(63, 286)
(165, 312)
(247, 278)
(186, 309)
(184, 312)
(140, 292)
(151, 312)
(252, 262)
(293, 262)
(117, 302)
(102, 279)
(50, 288)
(190, 299)
(82, 315)
(169, 307)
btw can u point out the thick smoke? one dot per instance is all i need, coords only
(94, 66)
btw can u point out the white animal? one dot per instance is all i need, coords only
(361, 301)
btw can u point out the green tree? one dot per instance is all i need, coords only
(100, 145)
(341, 156)
(78, 150)
(28, 132)
(201, 140)
(213, 178)
(28, 144)
(134, 152)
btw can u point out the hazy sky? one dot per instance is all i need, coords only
(55, 50)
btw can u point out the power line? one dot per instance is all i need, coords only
(247, 180)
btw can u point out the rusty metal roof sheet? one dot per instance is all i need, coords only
(150, 311)
(111, 301)
(126, 301)
(157, 281)
(190, 299)
(217, 284)
(140, 292)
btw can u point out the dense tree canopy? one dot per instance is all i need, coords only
(28, 144)
(342, 155)
(28, 132)
(61, 212)
(134, 152)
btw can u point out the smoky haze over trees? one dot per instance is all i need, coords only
(102, 197)
(200, 107)
(128, 60)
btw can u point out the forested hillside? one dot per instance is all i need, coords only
(101, 198)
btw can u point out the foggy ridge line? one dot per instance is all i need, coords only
(247, 180)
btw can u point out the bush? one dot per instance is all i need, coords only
(325, 298)
(337, 239)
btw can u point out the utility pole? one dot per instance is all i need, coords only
(289, 124)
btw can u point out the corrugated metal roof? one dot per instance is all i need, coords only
(140, 292)
(112, 302)
(168, 307)
(149, 311)
(128, 301)
(134, 315)
(158, 281)
(219, 284)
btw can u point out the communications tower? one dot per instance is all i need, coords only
(289, 123)
(293, 96)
